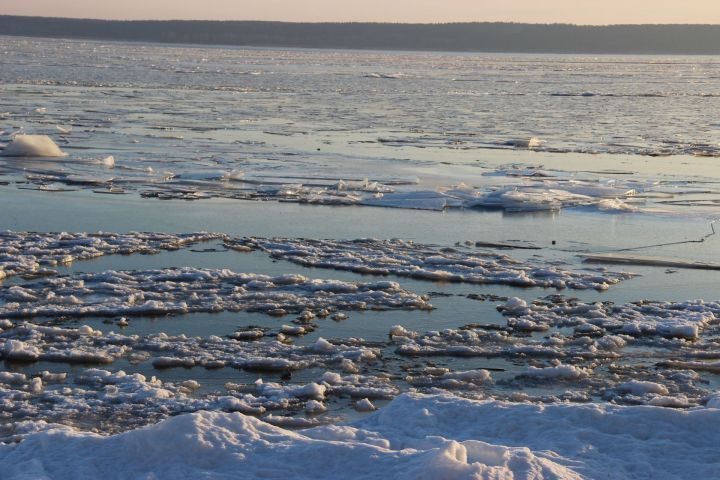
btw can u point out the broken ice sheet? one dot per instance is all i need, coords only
(425, 262)
(32, 253)
(186, 290)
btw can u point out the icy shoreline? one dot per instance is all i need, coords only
(548, 350)
(413, 437)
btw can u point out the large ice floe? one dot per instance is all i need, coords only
(580, 331)
(426, 262)
(187, 290)
(414, 437)
(34, 254)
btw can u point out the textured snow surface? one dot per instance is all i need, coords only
(414, 437)
(425, 262)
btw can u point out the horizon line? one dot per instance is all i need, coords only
(355, 22)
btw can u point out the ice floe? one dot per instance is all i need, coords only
(33, 253)
(425, 262)
(186, 290)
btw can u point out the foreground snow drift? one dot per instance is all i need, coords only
(414, 437)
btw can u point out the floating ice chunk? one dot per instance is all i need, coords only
(191, 384)
(248, 335)
(615, 205)
(563, 372)
(315, 407)
(611, 342)
(275, 390)
(653, 261)
(323, 346)
(671, 402)
(713, 367)
(53, 377)
(639, 387)
(364, 405)
(348, 366)
(88, 330)
(207, 175)
(13, 378)
(532, 142)
(362, 186)
(19, 351)
(444, 378)
(36, 385)
(400, 331)
(390, 76)
(527, 325)
(413, 200)
(63, 130)
(293, 330)
(170, 362)
(332, 378)
(516, 306)
(108, 161)
(33, 146)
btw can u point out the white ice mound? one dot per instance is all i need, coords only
(33, 146)
(414, 437)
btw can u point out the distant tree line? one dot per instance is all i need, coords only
(475, 37)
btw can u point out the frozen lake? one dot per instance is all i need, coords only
(544, 233)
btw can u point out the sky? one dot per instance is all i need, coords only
(594, 12)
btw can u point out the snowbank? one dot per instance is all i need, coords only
(33, 146)
(415, 437)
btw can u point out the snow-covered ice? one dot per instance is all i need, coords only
(34, 253)
(187, 290)
(426, 262)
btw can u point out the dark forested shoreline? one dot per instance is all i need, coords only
(470, 37)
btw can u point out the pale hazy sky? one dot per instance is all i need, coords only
(536, 11)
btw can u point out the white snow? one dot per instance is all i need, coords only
(415, 437)
(564, 372)
(108, 161)
(32, 146)
(364, 405)
(639, 387)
